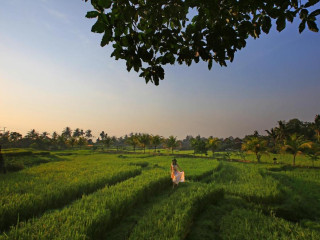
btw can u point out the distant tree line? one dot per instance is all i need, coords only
(294, 136)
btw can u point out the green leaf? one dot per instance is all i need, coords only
(311, 3)
(106, 38)
(290, 16)
(302, 26)
(295, 3)
(105, 3)
(281, 23)
(210, 64)
(314, 13)
(304, 13)
(92, 14)
(312, 26)
(98, 27)
(266, 24)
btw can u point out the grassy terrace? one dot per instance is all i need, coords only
(94, 195)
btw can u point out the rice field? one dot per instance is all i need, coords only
(90, 195)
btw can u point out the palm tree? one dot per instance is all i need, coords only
(172, 143)
(272, 134)
(54, 138)
(317, 127)
(88, 134)
(281, 131)
(295, 144)
(255, 145)
(82, 133)
(156, 141)
(72, 141)
(314, 153)
(144, 140)
(15, 137)
(133, 140)
(81, 141)
(105, 139)
(76, 133)
(32, 134)
(67, 132)
(62, 141)
(213, 144)
(2, 163)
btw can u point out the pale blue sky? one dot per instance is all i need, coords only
(53, 74)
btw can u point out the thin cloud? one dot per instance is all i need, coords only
(58, 15)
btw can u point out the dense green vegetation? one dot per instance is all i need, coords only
(300, 139)
(95, 195)
(151, 34)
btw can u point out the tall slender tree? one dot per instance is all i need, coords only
(2, 163)
(314, 152)
(133, 140)
(144, 140)
(76, 133)
(156, 141)
(255, 145)
(213, 144)
(88, 134)
(67, 132)
(172, 142)
(295, 145)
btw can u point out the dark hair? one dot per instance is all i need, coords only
(174, 161)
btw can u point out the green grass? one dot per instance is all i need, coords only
(92, 214)
(32, 191)
(89, 194)
(172, 216)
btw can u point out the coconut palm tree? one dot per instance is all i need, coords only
(76, 133)
(67, 132)
(144, 140)
(213, 144)
(81, 141)
(281, 131)
(105, 140)
(272, 135)
(314, 152)
(255, 145)
(295, 145)
(88, 134)
(133, 140)
(54, 138)
(32, 134)
(72, 141)
(317, 127)
(14, 137)
(172, 143)
(156, 141)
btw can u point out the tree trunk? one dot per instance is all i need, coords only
(258, 160)
(172, 150)
(144, 149)
(294, 160)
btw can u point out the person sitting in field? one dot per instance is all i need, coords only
(176, 176)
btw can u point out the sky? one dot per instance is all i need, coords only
(53, 74)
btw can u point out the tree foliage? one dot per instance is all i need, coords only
(256, 145)
(149, 34)
(172, 142)
(295, 145)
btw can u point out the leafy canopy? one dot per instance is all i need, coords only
(148, 34)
